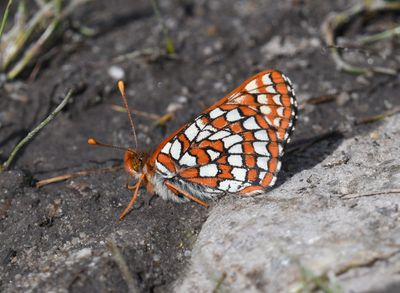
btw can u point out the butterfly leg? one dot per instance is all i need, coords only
(128, 186)
(135, 194)
(175, 189)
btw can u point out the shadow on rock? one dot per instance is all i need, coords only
(306, 153)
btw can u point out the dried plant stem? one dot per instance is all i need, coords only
(5, 17)
(378, 117)
(33, 50)
(144, 114)
(133, 287)
(380, 36)
(366, 194)
(337, 21)
(60, 178)
(219, 283)
(18, 48)
(169, 44)
(20, 37)
(31, 134)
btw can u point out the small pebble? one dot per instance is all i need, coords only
(343, 98)
(116, 72)
(84, 253)
(374, 135)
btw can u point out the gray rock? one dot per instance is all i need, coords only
(304, 228)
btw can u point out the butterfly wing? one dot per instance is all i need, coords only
(236, 145)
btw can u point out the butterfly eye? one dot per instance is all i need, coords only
(132, 162)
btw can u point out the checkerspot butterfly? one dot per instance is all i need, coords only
(233, 147)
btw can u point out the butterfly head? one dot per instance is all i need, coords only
(133, 162)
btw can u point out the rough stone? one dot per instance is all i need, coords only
(261, 244)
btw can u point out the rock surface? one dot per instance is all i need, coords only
(264, 244)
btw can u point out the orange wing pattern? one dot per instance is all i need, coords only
(236, 145)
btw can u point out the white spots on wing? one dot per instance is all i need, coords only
(163, 170)
(210, 170)
(166, 148)
(233, 115)
(261, 175)
(280, 148)
(265, 110)
(191, 132)
(266, 79)
(262, 162)
(278, 166)
(286, 136)
(262, 99)
(242, 99)
(200, 123)
(250, 124)
(212, 191)
(277, 100)
(216, 113)
(236, 149)
(261, 148)
(261, 135)
(239, 173)
(235, 160)
(251, 87)
(270, 89)
(287, 79)
(210, 128)
(268, 121)
(291, 101)
(213, 154)
(277, 122)
(220, 134)
(203, 135)
(234, 96)
(232, 185)
(176, 149)
(188, 160)
(280, 111)
(272, 183)
(231, 140)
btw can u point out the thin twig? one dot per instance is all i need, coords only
(60, 178)
(31, 134)
(5, 17)
(144, 114)
(169, 45)
(371, 193)
(365, 263)
(34, 49)
(44, 22)
(219, 283)
(311, 282)
(133, 286)
(337, 21)
(380, 36)
(378, 117)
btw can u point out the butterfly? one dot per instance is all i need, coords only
(233, 147)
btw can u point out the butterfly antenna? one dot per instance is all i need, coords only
(121, 87)
(92, 141)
